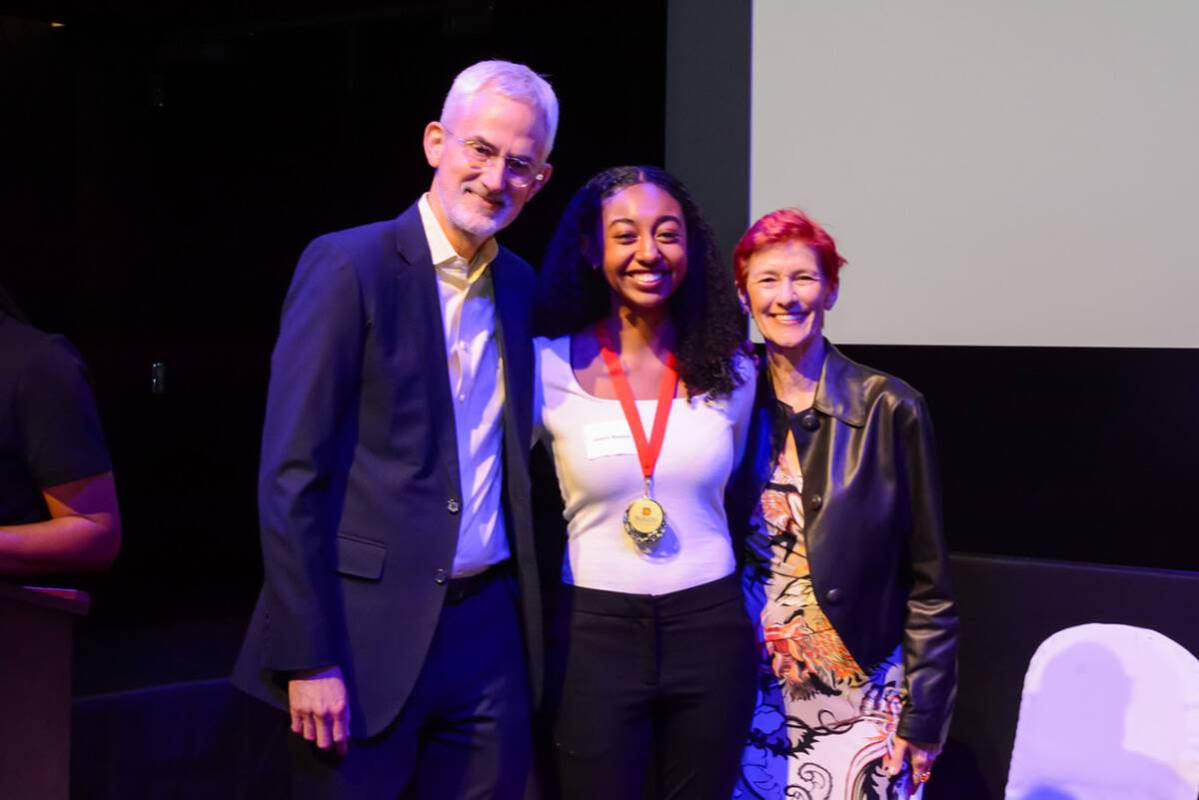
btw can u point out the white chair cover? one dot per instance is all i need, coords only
(1108, 712)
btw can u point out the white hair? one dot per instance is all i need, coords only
(514, 81)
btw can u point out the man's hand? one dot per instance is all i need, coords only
(320, 710)
(921, 757)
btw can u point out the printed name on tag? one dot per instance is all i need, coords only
(603, 439)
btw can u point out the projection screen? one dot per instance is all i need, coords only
(997, 173)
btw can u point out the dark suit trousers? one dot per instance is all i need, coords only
(656, 693)
(464, 731)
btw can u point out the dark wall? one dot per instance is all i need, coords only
(1077, 454)
(167, 163)
(707, 122)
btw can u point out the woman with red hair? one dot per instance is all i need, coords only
(837, 502)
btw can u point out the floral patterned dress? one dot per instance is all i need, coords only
(822, 726)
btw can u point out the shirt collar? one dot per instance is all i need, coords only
(445, 258)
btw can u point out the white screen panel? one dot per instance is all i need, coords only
(997, 173)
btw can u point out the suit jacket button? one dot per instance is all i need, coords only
(809, 421)
(833, 596)
(453, 506)
(441, 576)
(816, 502)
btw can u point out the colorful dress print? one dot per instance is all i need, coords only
(822, 726)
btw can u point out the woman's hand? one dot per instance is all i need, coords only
(920, 756)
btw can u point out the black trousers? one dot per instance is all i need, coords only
(656, 692)
(464, 732)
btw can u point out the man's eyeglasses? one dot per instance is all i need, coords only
(520, 171)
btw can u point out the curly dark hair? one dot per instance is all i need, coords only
(709, 323)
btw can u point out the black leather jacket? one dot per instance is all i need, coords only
(872, 503)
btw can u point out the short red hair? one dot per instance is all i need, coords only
(785, 225)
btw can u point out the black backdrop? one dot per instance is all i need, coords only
(1075, 454)
(165, 166)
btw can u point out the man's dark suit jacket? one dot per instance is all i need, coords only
(358, 491)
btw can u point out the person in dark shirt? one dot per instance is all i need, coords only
(58, 502)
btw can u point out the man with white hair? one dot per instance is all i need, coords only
(399, 621)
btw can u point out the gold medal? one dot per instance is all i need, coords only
(645, 522)
(644, 519)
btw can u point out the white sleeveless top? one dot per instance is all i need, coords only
(599, 474)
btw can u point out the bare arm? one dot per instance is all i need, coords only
(83, 533)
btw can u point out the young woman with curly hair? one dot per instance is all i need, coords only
(643, 397)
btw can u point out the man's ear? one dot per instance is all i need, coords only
(434, 143)
(537, 186)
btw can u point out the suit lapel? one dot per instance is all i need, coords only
(512, 336)
(425, 329)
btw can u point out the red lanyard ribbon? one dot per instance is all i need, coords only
(647, 452)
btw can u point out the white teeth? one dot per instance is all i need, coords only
(648, 279)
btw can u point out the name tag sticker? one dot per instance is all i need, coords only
(602, 439)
